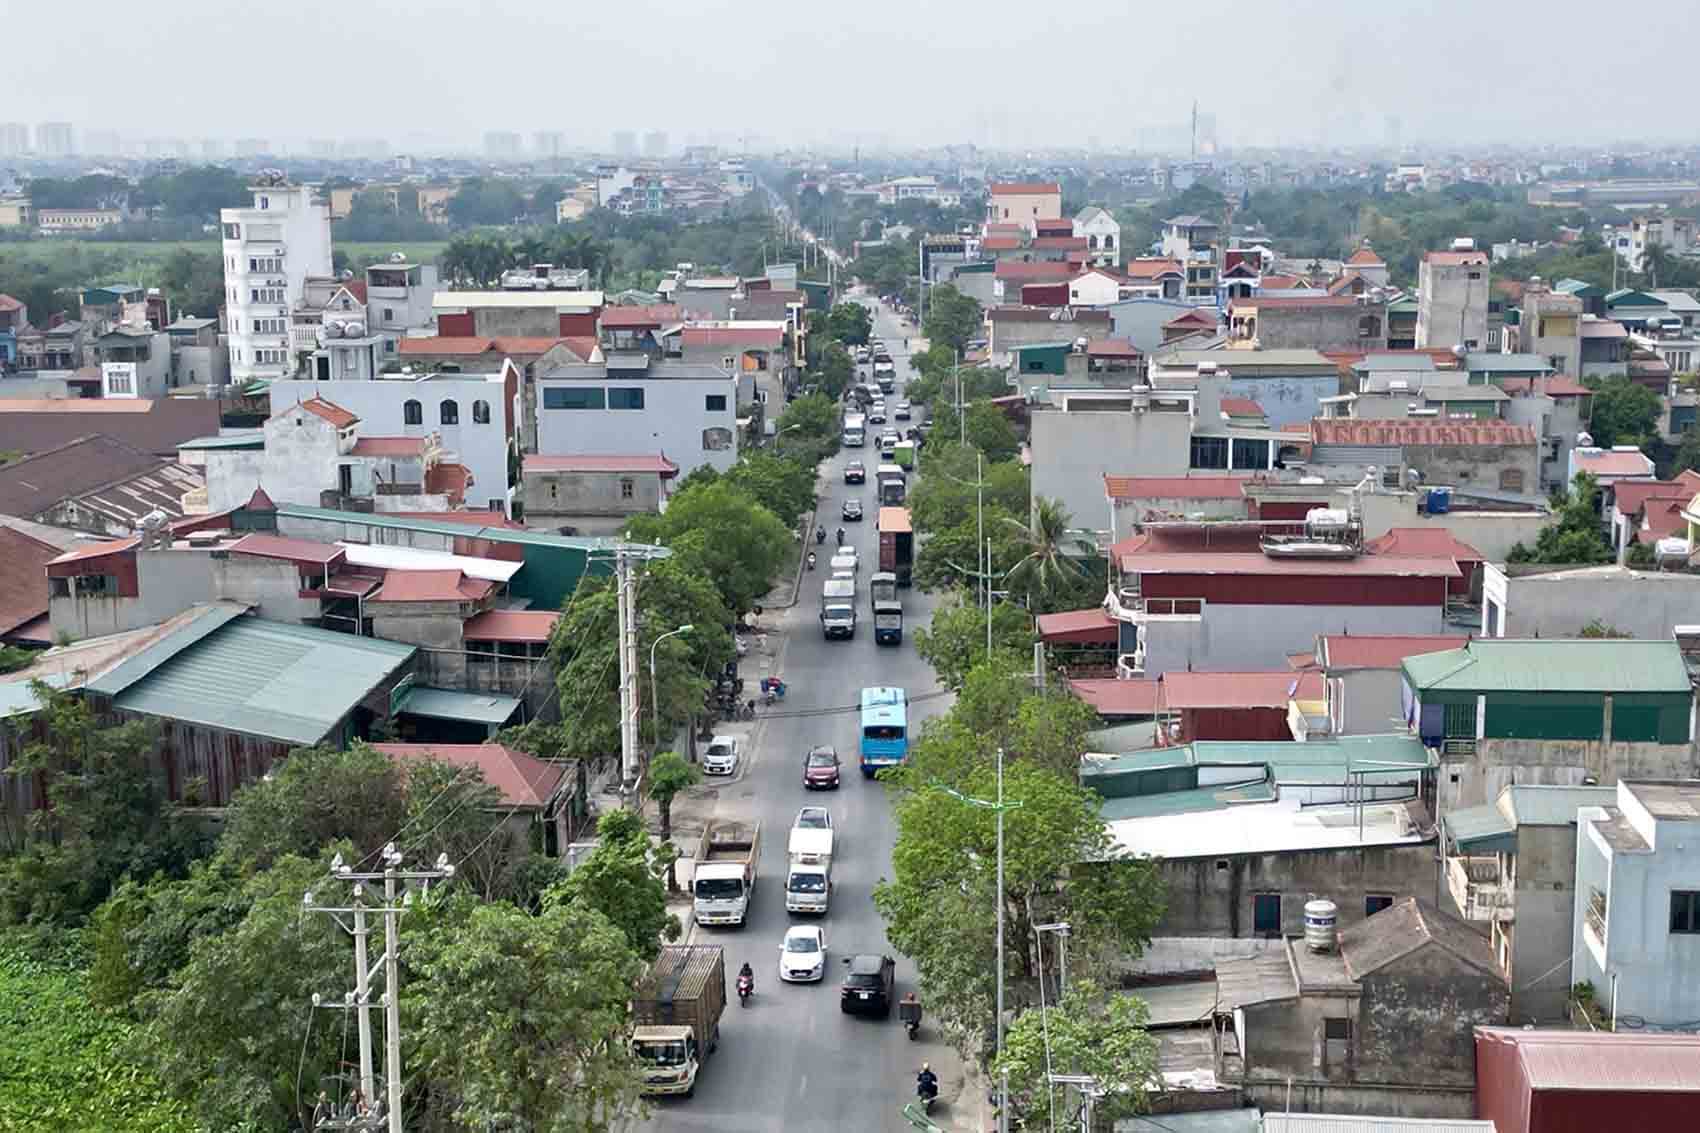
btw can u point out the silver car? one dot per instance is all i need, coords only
(721, 758)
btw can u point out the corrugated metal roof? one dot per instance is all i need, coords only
(1078, 626)
(195, 623)
(1382, 651)
(1474, 825)
(1584, 1060)
(1552, 665)
(434, 527)
(284, 682)
(1344, 1123)
(1112, 697)
(1238, 690)
(1174, 487)
(1240, 563)
(448, 704)
(511, 625)
(1191, 801)
(1204, 1121)
(523, 780)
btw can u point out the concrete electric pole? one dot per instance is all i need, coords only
(369, 1116)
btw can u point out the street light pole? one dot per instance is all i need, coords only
(654, 696)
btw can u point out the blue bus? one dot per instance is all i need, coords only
(885, 729)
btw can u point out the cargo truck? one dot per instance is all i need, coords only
(904, 455)
(897, 544)
(808, 888)
(887, 608)
(676, 1013)
(838, 607)
(855, 430)
(725, 876)
(893, 487)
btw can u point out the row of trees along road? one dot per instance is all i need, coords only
(201, 964)
(1059, 863)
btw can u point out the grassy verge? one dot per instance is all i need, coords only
(61, 1061)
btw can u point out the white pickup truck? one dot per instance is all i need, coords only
(811, 837)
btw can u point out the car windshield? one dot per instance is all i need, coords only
(812, 820)
(806, 883)
(719, 749)
(801, 944)
(661, 1053)
(822, 759)
(719, 888)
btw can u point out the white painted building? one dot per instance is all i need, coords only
(474, 416)
(269, 251)
(633, 404)
(1103, 234)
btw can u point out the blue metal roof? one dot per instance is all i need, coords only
(448, 704)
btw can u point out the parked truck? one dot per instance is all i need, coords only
(897, 544)
(887, 608)
(811, 845)
(725, 877)
(855, 430)
(904, 455)
(676, 1013)
(838, 607)
(893, 487)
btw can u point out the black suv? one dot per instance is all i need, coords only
(850, 509)
(870, 985)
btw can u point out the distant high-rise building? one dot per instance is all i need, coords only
(252, 147)
(322, 147)
(375, 148)
(655, 143)
(548, 144)
(625, 143)
(14, 139)
(102, 143)
(1393, 141)
(502, 145)
(212, 147)
(55, 139)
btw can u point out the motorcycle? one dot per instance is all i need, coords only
(820, 535)
(909, 1009)
(841, 536)
(772, 689)
(811, 560)
(926, 1089)
(746, 988)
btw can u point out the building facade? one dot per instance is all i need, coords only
(270, 249)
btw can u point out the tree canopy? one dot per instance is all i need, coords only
(1574, 534)
(1623, 412)
(721, 532)
(952, 318)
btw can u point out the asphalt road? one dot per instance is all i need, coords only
(791, 1061)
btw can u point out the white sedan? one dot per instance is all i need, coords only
(721, 758)
(802, 958)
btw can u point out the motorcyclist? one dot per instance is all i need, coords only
(841, 536)
(747, 975)
(909, 1010)
(926, 1083)
(820, 534)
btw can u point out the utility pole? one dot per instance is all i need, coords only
(387, 1116)
(626, 593)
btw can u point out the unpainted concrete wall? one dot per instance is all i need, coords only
(1474, 780)
(1417, 1018)
(1252, 637)
(1540, 936)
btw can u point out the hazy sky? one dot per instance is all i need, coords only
(994, 72)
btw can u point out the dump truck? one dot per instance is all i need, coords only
(887, 608)
(676, 1013)
(838, 607)
(725, 874)
(897, 544)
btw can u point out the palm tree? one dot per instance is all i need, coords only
(1656, 261)
(1047, 566)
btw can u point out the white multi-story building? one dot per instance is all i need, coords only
(269, 251)
(633, 405)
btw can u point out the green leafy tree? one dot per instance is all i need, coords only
(1103, 1037)
(1055, 558)
(835, 370)
(193, 282)
(955, 641)
(724, 534)
(947, 494)
(668, 775)
(316, 797)
(952, 319)
(939, 904)
(849, 323)
(955, 556)
(783, 486)
(518, 1020)
(1574, 535)
(483, 200)
(476, 259)
(1623, 412)
(808, 425)
(621, 879)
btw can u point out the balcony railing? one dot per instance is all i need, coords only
(1478, 889)
(1128, 605)
(1131, 666)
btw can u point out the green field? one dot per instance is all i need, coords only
(134, 260)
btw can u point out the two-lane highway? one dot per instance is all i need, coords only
(791, 1061)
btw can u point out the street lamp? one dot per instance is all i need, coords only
(998, 806)
(654, 697)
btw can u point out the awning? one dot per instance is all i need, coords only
(447, 704)
(1484, 829)
(1078, 627)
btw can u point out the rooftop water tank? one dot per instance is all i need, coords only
(1321, 915)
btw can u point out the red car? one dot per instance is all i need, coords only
(820, 768)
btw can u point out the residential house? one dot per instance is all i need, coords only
(594, 495)
(1363, 677)
(525, 314)
(1639, 311)
(1561, 1081)
(1682, 306)
(1014, 326)
(757, 352)
(534, 795)
(1510, 865)
(1290, 385)
(135, 361)
(1496, 455)
(97, 485)
(1320, 322)
(1023, 202)
(57, 347)
(198, 359)
(14, 317)
(1369, 266)
(1592, 295)
(1557, 409)
(1380, 1017)
(1217, 705)
(399, 296)
(1636, 927)
(109, 305)
(1645, 511)
(1452, 299)
(1183, 235)
(632, 404)
(1550, 710)
(329, 307)
(639, 327)
(1138, 500)
(1609, 466)
(1161, 278)
(1551, 326)
(270, 249)
(1013, 274)
(1103, 234)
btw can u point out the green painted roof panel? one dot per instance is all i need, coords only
(448, 704)
(1472, 826)
(284, 682)
(1574, 665)
(1187, 802)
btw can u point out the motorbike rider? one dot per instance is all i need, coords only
(747, 976)
(926, 1082)
(820, 534)
(841, 536)
(811, 560)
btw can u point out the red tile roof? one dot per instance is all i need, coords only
(1118, 698)
(389, 446)
(1455, 259)
(1610, 462)
(1012, 188)
(1603, 328)
(1281, 282)
(1174, 487)
(1179, 689)
(1609, 1061)
(1061, 243)
(97, 550)
(451, 480)
(1111, 348)
(1003, 229)
(1192, 318)
(1248, 563)
(769, 337)
(532, 626)
(432, 586)
(1146, 270)
(1241, 407)
(1663, 516)
(632, 462)
(335, 414)
(1079, 627)
(1034, 269)
(1000, 243)
(1343, 285)
(1423, 543)
(7, 303)
(638, 318)
(294, 550)
(523, 780)
(1630, 496)
(1417, 431)
(1383, 651)
(1363, 257)
(583, 345)
(1278, 302)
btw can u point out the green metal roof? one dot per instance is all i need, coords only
(252, 439)
(1480, 827)
(448, 704)
(1552, 665)
(198, 623)
(284, 682)
(1187, 802)
(17, 698)
(1578, 287)
(1291, 762)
